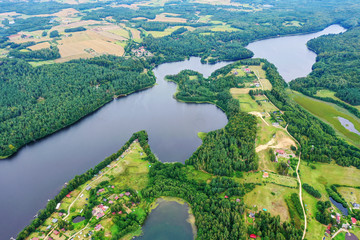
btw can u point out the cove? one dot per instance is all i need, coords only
(38, 171)
(167, 221)
(290, 54)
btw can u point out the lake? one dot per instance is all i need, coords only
(38, 171)
(168, 221)
(290, 54)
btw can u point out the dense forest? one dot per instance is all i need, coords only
(337, 68)
(36, 102)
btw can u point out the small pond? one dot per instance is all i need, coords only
(348, 125)
(344, 211)
(78, 219)
(169, 220)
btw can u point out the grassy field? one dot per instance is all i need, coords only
(224, 28)
(330, 94)
(329, 112)
(271, 197)
(292, 24)
(350, 194)
(168, 31)
(169, 17)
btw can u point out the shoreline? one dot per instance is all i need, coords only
(8, 157)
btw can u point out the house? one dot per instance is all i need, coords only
(253, 236)
(226, 196)
(116, 197)
(338, 218)
(356, 205)
(345, 226)
(56, 232)
(247, 70)
(237, 200)
(55, 220)
(68, 196)
(265, 175)
(98, 227)
(88, 188)
(35, 238)
(48, 227)
(280, 151)
(353, 220)
(101, 190)
(252, 215)
(127, 194)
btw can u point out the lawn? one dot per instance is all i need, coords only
(329, 112)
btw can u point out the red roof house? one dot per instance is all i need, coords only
(56, 232)
(226, 196)
(353, 220)
(280, 151)
(68, 196)
(253, 236)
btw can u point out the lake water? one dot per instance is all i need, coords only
(39, 170)
(290, 54)
(348, 125)
(168, 221)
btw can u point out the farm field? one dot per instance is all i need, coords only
(329, 112)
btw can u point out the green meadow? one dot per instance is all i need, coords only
(329, 113)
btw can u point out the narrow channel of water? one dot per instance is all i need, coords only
(39, 170)
(290, 54)
(168, 221)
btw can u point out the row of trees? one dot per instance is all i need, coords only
(312, 191)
